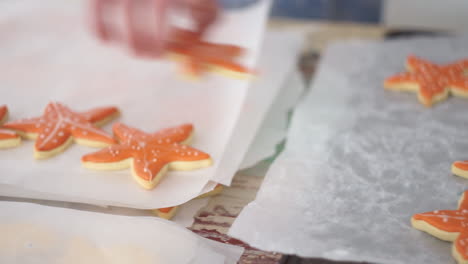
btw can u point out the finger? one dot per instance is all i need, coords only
(203, 12)
(131, 33)
(159, 31)
(97, 8)
(145, 25)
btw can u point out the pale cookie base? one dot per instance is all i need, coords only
(150, 184)
(10, 143)
(124, 164)
(437, 98)
(47, 154)
(167, 215)
(119, 165)
(91, 143)
(459, 172)
(447, 236)
(210, 68)
(458, 93)
(414, 87)
(230, 73)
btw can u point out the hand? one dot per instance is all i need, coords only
(142, 25)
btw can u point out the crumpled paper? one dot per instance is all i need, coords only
(47, 43)
(360, 161)
(41, 234)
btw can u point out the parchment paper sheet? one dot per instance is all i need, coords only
(45, 54)
(277, 60)
(360, 161)
(41, 234)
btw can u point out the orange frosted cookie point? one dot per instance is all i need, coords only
(8, 139)
(199, 56)
(460, 168)
(167, 213)
(56, 129)
(149, 155)
(432, 82)
(448, 225)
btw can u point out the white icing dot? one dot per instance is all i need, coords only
(155, 160)
(184, 147)
(54, 141)
(189, 153)
(160, 141)
(117, 152)
(142, 144)
(168, 140)
(85, 133)
(41, 136)
(177, 151)
(445, 219)
(47, 129)
(60, 134)
(195, 153)
(436, 211)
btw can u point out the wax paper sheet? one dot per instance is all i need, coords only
(360, 161)
(34, 233)
(275, 125)
(281, 58)
(46, 54)
(183, 217)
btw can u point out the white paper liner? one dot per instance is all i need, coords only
(360, 161)
(46, 54)
(41, 234)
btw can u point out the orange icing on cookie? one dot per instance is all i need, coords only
(462, 165)
(460, 168)
(166, 210)
(150, 152)
(5, 134)
(453, 221)
(200, 55)
(58, 124)
(432, 80)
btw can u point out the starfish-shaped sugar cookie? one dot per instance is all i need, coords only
(432, 82)
(448, 225)
(8, 139)
(199, 56)
(56, 129)
(460, 168)
(149, 155)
